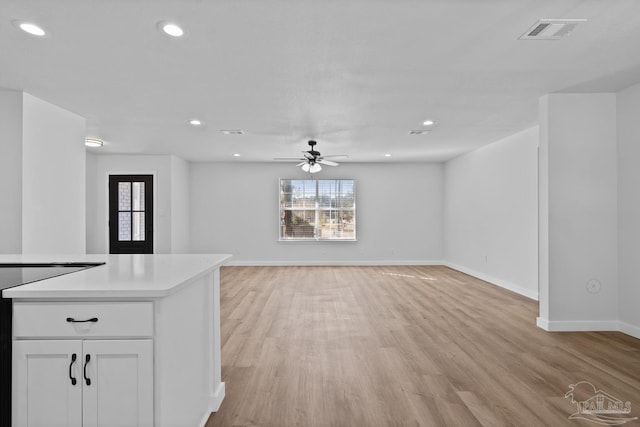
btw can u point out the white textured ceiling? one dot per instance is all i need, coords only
(355, 75)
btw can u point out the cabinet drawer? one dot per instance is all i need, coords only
(117, 319)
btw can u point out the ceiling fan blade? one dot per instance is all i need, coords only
(288, 159)
(308, 155)
(302, 163)
(336, 155)
(327, 162)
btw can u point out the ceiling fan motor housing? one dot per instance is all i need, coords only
(313, 152)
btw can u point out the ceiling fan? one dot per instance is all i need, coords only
(312, 159)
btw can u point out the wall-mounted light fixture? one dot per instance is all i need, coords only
(93, 142)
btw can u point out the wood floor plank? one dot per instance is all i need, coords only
(402, 346)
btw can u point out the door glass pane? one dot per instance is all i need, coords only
(124, 226)
(138, 196)
(138, 226)
(124, 196)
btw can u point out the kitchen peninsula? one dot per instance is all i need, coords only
(133, 342)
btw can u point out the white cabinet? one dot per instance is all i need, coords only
(121, 389)
(83, 364)
(83, 383)
(153, 341)
(46, 395)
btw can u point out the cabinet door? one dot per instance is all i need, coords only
(44, 393)
(118, 386)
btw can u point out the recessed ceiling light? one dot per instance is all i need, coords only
(195, 122)
(419, 131)
(428, 122)
(93, 142)
(31, 28)
(387, 155)
(170, 28)
(236, 154)
(232, 131)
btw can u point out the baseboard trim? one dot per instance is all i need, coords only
(542, 323)
(217, 397)
(296, 263)
(629, 329)
(494, 281)
(205, 418)
(578, 325)
(588, 325)
(214, 404)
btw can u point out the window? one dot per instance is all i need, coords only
(322, 209)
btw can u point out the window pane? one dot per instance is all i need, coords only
(297, 193)
(138, 226)
(335, 193)
(138, 196)
(124, 226)
(298, 224)
(336, 224)
(124, 196)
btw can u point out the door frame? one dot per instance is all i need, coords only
(156, 227)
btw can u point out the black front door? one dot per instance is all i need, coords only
(131, 214)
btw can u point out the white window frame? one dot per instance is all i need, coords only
(317, 209)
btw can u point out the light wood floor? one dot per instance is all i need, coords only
(402, 346)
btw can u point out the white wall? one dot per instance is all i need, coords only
(94, 229)
(490, 213)
(234, 209)
(628, 108)
(168, 196)
(579, 189)
(10, 172)
(42, 177)
(53, 179)
(179, 205)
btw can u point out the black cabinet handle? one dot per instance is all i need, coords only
(72, 320)
(86, 362)
(73, 360)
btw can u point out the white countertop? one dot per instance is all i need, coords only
(123, 276)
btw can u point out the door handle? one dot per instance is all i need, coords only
(84, 373)
(72, 320)
(71, 377)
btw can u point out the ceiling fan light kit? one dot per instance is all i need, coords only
(315, 168)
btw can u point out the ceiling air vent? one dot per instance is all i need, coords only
(232, 131)
(551, 29)
(418, 132)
